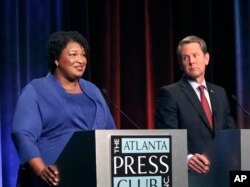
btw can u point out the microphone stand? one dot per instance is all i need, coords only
(105, 93)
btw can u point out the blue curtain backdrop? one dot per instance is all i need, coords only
(26, 26)
(242, 42)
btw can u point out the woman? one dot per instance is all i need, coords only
(52, 108)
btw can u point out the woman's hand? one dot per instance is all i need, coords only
(50, 175)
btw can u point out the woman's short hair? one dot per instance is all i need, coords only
(58, 41)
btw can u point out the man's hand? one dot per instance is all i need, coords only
(199, 163)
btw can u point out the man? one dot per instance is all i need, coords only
(179, 105)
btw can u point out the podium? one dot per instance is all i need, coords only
(227, 152)
(125, 158)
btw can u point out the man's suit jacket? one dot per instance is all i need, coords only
(178, 107)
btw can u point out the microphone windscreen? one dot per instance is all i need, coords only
(104, 92)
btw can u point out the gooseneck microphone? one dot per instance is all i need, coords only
(243, 109)
(105, 93)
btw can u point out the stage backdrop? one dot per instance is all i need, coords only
(132, 53)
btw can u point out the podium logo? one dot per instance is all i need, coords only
(239, 178)
(141, 161)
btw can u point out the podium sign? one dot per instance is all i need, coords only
(125, 158)
(141, 161)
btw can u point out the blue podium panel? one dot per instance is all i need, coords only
(229, 151)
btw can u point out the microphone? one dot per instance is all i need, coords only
(243, 109)
(105, 93)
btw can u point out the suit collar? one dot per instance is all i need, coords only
(194, 100)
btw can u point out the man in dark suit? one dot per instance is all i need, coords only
(179, 104)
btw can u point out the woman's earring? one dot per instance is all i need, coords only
(56, 63)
